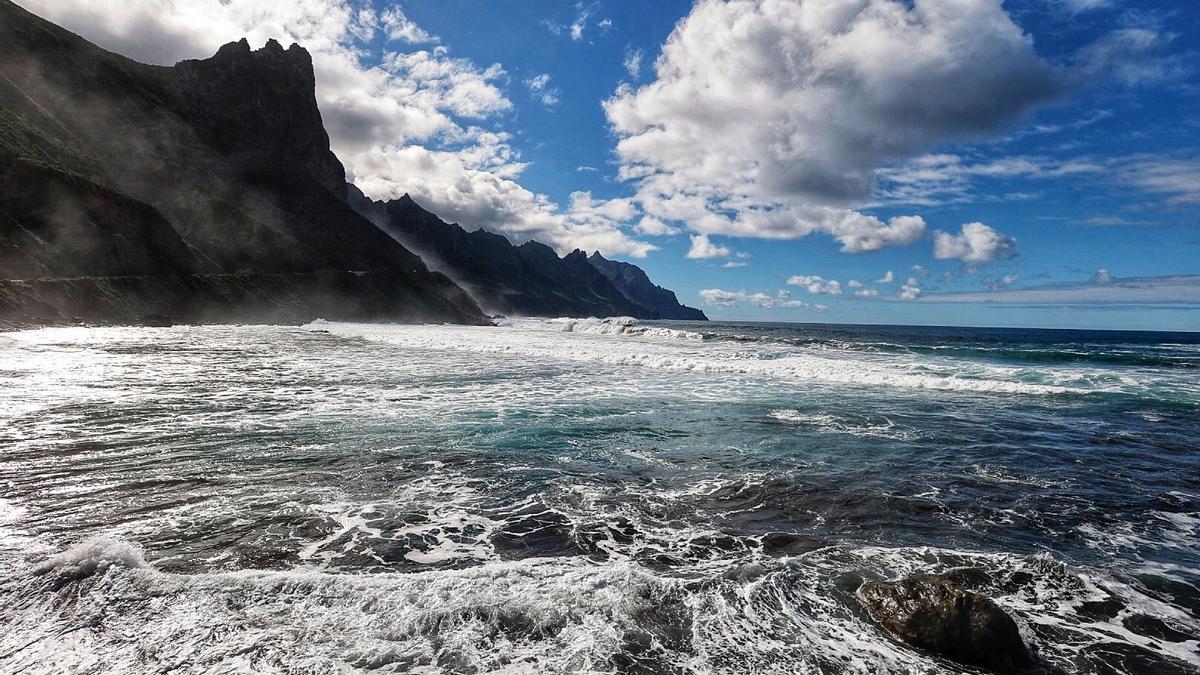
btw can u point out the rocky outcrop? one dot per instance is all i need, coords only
(633, 282)
(933, 613)
(529, 279)
(260, 107)
(212, 169)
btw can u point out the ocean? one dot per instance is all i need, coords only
(555, 496)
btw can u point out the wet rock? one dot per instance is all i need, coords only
(935, 614)
(1153, 627)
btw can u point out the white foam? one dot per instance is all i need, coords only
(606, 342)
(831, 424)
(92, 556)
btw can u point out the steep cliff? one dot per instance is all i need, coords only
(529, 279)
(214, 167)
(636, 285)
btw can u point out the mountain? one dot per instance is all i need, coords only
(205, 191)
(632, 281)
(529, 279)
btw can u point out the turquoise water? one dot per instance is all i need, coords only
(596, 496)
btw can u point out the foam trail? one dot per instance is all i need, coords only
(606, 343)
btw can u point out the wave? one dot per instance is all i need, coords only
(790, 614)
(621, 325)
(826, 423)
(1171, 356)
(589, 341)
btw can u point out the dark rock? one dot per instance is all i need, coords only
(935, 614)
(1153, 627)
(529, 279)
(201, 185)
(632, 281)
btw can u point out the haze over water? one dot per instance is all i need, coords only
(605, 496)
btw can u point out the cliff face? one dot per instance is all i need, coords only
(212, 167)
(259, 107)
(527, 280)
(633, 282)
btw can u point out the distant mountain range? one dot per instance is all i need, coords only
(207, 192)
(529, 279)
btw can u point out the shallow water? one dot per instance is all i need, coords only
(567, 496)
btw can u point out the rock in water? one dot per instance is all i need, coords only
(933, 613)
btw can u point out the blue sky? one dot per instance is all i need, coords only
(1029, 162)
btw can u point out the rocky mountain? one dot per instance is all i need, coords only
(528, 279)
(633, 282)
(205, 191)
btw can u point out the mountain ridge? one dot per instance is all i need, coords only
(208, 191)
(107, 165)
(520, 279)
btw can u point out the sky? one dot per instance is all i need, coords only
(949, 162)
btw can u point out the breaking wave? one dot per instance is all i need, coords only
(625, 342)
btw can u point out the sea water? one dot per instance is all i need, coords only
(588, 496)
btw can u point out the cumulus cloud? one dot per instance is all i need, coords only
(889, 278)
(911, 290)
(402, 120)
(400, 27)
(823, 95)
(703, 249)
(816, 285)
(975, 243)
(721, 298)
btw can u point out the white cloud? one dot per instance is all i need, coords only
(400, 27)
(703, 249)
(854, 283)
(401, 120)
(975, 243)
(888, 278)
(1140, 291)
(1102, 276)
(931, 180)
(911, 290)
(633, 63)
(581, 20)
(733, 265)
(1001, 282)
(824, 95)
(1176, 179)
(1076, 6)
(650, 225)
(540, 87)
(721, 298)
(816, 285)
(866, 293)
(1133, 56)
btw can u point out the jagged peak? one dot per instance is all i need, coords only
(240, 51)
(239, 47)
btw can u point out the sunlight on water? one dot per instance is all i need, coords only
(582, 495)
